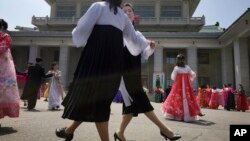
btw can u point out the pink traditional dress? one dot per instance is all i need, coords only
(181, 103)
(214, 100)
(223, 96)
(9, 95)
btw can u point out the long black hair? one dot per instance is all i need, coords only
(113, 4)
(3, 24)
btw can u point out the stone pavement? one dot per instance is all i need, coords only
(40, 125)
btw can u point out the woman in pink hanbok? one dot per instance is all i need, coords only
(214, 100)
(9, 95)
(208, 94)
(224, 95)
(181, 103)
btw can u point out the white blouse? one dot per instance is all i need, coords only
(145, 52)
(99, 13)
(185, 69)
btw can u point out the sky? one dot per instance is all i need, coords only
(20, 12)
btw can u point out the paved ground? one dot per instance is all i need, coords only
(40, 126)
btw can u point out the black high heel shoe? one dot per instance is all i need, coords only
(60, 132)
(201, 114)
(175, 137)
(117, 137)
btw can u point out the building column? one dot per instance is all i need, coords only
(241, 63)
(185, 9)
(34, 52)
(158, 59)
(158, 11)
(192, 63)
(227, 63)
(63, 63)
(53, 10)
(78, 9)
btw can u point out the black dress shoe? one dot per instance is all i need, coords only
(201, 115)
(116, 137)
(175, 137)
(60, 132)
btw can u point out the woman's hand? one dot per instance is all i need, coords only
(152, 44)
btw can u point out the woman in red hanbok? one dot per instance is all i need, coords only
(181, 103)
(214, 100)
(201, 98)
(9, 95)
(242, 101)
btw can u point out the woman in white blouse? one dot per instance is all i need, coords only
(98, 74)
(131, 87)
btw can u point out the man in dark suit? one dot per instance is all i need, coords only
(33, 83)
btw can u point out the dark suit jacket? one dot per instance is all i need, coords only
(34, 80)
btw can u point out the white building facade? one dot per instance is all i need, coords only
(218, 56)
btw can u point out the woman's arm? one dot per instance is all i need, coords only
(85, 25)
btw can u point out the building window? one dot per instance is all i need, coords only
(56, 56)
(171, 57)
(66, 11)
(203, 58)
(145, 11)
(171, 11)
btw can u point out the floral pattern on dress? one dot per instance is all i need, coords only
(181, 102)
(9, 95)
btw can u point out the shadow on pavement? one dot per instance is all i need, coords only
(7, 130)
(202, 122)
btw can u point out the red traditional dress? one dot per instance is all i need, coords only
(181, 103)
(9, 95)
(21, 79)
(208, 95)
(242, 101)
(214, 100)
(201, 98)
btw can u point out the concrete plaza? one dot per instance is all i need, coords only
(40, 125)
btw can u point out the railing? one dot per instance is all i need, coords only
(142, 21)
(48, 20)
(170, 21)
(180, 21)
(148, 20)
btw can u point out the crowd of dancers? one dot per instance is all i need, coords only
(227, 97)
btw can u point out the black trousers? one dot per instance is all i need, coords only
(32, 102)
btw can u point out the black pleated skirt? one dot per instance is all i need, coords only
(132, 79)
(97, 76)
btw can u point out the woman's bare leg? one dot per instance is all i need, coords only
(71, 128)
(125, 121)
(163, 128)
(102, 128)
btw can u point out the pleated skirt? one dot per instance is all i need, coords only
(133, 82)
(97, 76)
